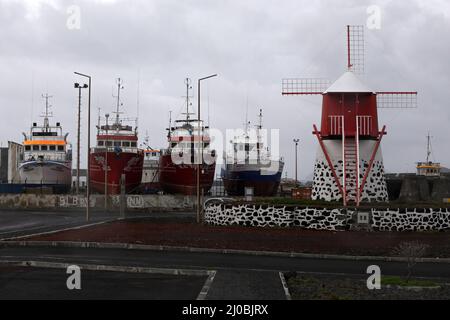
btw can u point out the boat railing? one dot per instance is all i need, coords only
(116, 149)
(47, 156)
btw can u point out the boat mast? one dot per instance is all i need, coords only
(188, 86)
(119, 87)
(258, 137)
(47, 113)
(170, 125)
(428, 147)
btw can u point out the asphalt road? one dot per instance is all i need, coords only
(45, 283)
(14, 223)
(238, 276)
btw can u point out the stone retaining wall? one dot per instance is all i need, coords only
(272, 216)
(410, 219)
(327, 219)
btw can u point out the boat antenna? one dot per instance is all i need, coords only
(260, 119)
(98, 125)
(137, 98)
(170, 124)
(246, 118)
(47, 113)
(207, 91)
(428, 147)
(119, 104)
(188, 103)
(32, 95)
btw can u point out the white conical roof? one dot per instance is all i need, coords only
(348, 82)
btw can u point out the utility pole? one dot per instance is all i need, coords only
(79, 87)
(106, 163)
(296, 141)
(200, 145)
(88, 181)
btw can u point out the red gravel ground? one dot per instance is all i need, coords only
(261, 239)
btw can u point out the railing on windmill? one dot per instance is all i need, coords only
(336, 127)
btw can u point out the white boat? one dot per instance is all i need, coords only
(47, 155)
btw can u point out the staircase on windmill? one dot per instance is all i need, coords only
(349, 164)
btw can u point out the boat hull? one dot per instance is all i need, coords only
(265, 182)
(46, 173)
(128, 163)
(182, 179)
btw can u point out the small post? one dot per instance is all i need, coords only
(122, 196)
(249, 192)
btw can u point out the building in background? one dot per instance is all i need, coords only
(3, 165)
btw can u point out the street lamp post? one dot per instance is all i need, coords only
(296, 141)
(200, 146)
(106, 163)
(79, 87)
(88, 182)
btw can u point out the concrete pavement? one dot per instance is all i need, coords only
(238, 277)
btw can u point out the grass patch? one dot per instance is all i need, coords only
(399, 281)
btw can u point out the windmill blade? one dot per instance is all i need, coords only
(304, 86)
(355, 49)
(400, 100)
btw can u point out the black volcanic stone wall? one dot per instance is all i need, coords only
(411, 219)
(272, 216)
(252, 215)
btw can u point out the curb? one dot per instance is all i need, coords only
(285, 287)
(93, 267)
(130, 246)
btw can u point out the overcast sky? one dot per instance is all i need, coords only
(251, 44)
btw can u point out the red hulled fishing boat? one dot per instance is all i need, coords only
(178, 163)
(116, 153)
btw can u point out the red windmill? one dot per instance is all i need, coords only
(349, 164)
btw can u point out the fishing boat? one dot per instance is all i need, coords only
(178, 163)
(116, 154)
(429, 168)
(47, 158)
(249, 164)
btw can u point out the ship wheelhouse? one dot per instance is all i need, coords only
(46, 143)
(185, 139)
(116, 138)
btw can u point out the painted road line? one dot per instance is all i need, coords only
(60, 230)
(285, 287)
(204, 292)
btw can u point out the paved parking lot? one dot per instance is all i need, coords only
(50, 283)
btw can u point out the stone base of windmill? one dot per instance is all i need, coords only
(324, 185)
